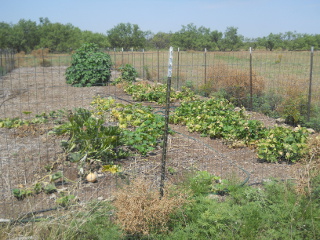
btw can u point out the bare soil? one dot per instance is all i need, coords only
(28, 154)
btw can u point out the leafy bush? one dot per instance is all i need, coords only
(89, 67)
(128, 73)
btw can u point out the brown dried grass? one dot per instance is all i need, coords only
(140, 210)
(311, 165)
(236, 82)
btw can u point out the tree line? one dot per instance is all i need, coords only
(27, 35)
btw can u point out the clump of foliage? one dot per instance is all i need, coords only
(89, 67)
(203, 182)
(142, 129)
(157, 93)
(128, 73)
(141, 210)
(217, 118)
(47, 184)
(282, 143)
(90, 139)
(38, 119)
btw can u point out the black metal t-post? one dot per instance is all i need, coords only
(166, 125)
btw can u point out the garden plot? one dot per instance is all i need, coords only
(29, 154)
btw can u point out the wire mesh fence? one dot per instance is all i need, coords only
(6, 61)
(38, 93)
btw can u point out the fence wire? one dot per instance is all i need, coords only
(29, 154)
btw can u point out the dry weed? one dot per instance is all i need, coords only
(141, 211)
(235, 82)
(311, 165)
(294, 104)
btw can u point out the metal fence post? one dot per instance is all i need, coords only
(178, 65)
(205, 66)
(310, 85)
(251, 91)
(158, 66)
(166, 127)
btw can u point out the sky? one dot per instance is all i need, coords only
(253, 18)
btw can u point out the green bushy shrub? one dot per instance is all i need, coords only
(128, 73)
(89, 67)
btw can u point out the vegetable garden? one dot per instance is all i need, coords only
(55, 132)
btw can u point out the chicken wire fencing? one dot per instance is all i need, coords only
(35, 98)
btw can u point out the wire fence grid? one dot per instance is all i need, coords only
(28, 153)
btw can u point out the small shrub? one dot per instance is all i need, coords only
(89, 67)
(140, 211)
(128, 73)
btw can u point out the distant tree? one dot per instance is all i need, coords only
(59, 37)
(160, 40)
(127, 36)
(98, 38)
(231, 40)
(215, 37)
(271, 42)
(5, 32)
(24, 36)
(190, 37)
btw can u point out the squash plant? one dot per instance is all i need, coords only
(282, 143)
(90, 138)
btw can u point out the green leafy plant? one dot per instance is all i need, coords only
(202, 182)
(66, 200)
(128, 73)
(89, 67)
(90, 138)
(157, 93)
(217, 118)
(20, 193)
(143, 129)
(50, 188)
(282, 143)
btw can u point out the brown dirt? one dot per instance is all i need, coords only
(26, 153)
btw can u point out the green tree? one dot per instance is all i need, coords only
(59, 37)
(271, 42)
(160, 40)
(190, 37)
(126, 35)
(25, 36)
(98, 38)
(231, 40)
(5, 32)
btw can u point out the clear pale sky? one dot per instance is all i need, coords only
(253, 18)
